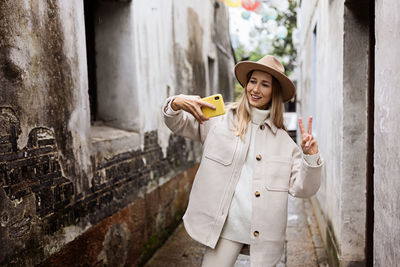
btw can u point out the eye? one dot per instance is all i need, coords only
(253, 81)
(266, 84)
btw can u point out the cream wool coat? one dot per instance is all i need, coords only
(279, 169)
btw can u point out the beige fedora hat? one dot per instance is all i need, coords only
(270, 65)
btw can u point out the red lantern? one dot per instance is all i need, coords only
(250, 5)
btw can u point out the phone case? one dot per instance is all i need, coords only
(218, 102)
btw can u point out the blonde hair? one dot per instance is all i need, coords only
(243, 108)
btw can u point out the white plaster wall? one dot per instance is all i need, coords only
(340, 119)
(160, 29)
(72, 15)
(140, 47)
(153, 46)
(159, 26)
(387, 129)
(117, 96)
(327, 120)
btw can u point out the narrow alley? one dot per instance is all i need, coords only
(100, 153)
(303, 247)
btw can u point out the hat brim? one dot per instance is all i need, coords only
(244, 67)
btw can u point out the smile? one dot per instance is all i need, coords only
(255, 97)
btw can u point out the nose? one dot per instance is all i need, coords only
(256, 87)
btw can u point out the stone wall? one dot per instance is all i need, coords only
(333, 88)
(320, 60)
(386, 129)
(99, 192)
(356, 108)
(40, 204)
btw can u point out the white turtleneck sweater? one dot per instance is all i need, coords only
(238, 222)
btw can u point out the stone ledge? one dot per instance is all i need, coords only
(113, 141)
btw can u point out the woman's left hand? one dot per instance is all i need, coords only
(308, 143)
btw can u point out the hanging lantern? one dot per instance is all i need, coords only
(282, 5)
(250, 5)
(233, 3)
(285, 59)
(260, 9)
(270, 13)
(281, 32)
(271, 37)
(246, 14)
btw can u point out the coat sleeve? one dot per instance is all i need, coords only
(305, 179)
(184, 124)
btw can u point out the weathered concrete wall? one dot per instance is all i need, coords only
(333, 86)
(355, 123)
(169, 43)
(327, 102)
(60, 175)
(223, 79)
(117, 94)
(43, 66)
(387, 127)
(45, 164)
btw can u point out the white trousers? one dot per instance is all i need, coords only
(224, 255)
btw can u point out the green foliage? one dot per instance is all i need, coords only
(242, 54)
(285, 47)
(256, 55)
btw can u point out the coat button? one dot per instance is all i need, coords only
(256, 233)
(257, 194)
(258, 157)
(262, 126)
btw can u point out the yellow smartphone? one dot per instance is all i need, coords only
(218, 102)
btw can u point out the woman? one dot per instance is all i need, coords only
(248, 167)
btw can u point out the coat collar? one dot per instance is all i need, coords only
(272, 126)
(267, 121)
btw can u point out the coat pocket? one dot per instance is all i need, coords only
(221, 146)
(278, 170)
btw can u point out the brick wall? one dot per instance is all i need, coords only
(33, 175)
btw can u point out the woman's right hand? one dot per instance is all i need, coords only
(191, 104)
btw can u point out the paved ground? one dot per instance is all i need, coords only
(303, 246)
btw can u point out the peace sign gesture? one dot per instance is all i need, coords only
(308, 143)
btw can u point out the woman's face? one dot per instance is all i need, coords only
(259, 89)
